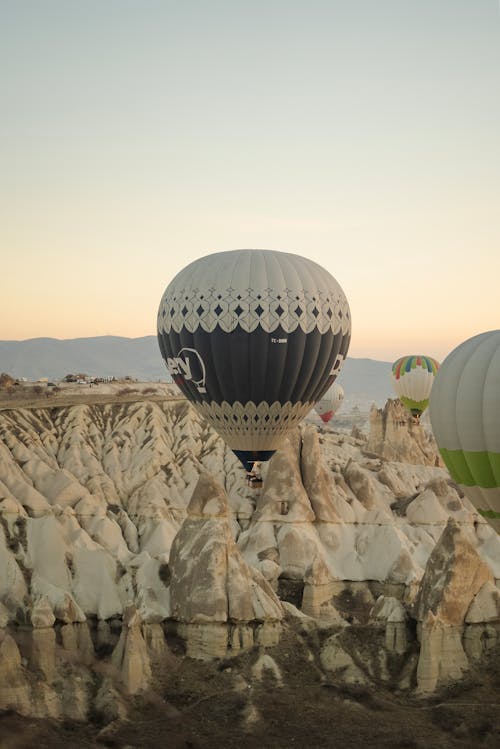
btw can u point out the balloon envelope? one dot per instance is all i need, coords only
(253, 338)
(412, 379)
(330, 402)
(465, 418)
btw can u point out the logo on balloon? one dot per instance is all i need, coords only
(188, 366)
(337, 364)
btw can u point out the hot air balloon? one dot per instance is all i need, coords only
(465, 418)
(253, 338)
(412, 378)
(330, 402)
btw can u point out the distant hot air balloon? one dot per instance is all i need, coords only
(330, 402)
(465, 418)
(253, 338)
(412, 378)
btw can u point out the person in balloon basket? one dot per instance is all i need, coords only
(254, 477)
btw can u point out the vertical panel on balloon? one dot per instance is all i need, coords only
(202, 342)
(306, 367)
(223, 364)
(324, 362)
(238, 354)
(491, 406)
(277, 351)
(294, 355)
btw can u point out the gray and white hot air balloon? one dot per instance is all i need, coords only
(254, 338)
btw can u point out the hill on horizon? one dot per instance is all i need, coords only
(364, 380)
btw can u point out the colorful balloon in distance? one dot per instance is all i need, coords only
(253, 338)
(465, 418)
(330, 402)
(412, 380)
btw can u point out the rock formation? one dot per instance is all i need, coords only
(395, 435)
(124, 525)
(454, 575)
(218, 598)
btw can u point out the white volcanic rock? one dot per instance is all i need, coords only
(4, 615)
(63, 604)
(298, 544)
(340, 663)
(270, 570)
(319, 590)
(361, 484)
(47, 551)
(395, 435)
(259, 542)
(388, 609)
(93, 499)
(318, 482)
(51, 577)
(131, 656)
(486, 541)
(76, 639)
(479, 638)
(284, 498)
(210, 580)
(15, 484)
(156, 518)
(14, 686)
(128, 529)
(126, 513)
(13, 587)
(357, 543)
(454, 575)
(41, 613)
(153, 597)
(485, 606)
(426, 509)
(102, 527)
(391, 613)
(94, 586)
(58, 485)
(395, 477)
(43, 652)
(442, 657)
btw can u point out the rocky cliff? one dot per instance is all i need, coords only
(127, 532)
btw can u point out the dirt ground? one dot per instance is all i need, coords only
(207, 705)
(73, 395)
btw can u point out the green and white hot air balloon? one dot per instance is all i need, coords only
(465, 416)
(412, 380)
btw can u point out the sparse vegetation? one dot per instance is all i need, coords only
(490, 514)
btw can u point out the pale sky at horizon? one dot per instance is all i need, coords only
(139, 135)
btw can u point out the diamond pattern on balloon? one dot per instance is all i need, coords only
(225, 307)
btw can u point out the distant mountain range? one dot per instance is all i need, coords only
(364, 380)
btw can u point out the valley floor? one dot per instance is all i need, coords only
(200, 705)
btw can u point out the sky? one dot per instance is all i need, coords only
(139, 135)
